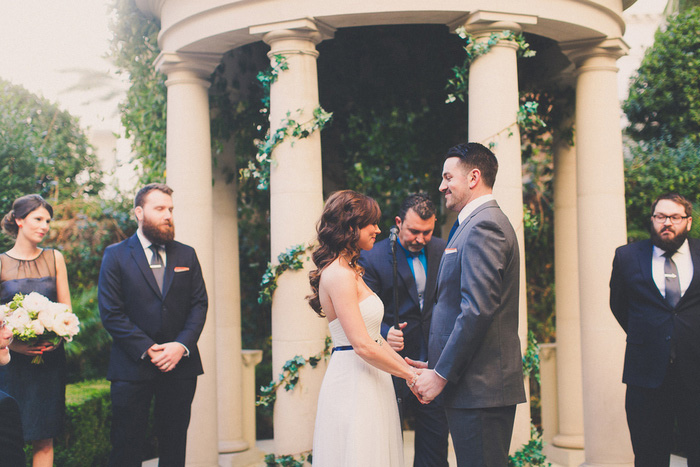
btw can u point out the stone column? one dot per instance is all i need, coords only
(601, 228)
(189, 173)
(296, 201)
(493, 109)
(228, 305)
(566, 447)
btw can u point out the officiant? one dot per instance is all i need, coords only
(417, 254)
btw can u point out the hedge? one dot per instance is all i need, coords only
(85, 438)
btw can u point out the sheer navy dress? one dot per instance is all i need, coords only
(38, 388)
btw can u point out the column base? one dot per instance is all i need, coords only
(564, 457)
(253, 457)
(568, 441)
(238, 445)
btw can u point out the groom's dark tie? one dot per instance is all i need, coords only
(453, 230)
(157, 265)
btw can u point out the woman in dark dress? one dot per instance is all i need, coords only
(38, 388)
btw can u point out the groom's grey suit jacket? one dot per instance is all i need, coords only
(474, 340)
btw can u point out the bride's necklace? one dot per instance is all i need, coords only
(353, 266)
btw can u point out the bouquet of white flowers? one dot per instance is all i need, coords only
(34, 318)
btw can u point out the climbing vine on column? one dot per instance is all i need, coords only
(259, 169)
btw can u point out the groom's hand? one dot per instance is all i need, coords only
(416, 363)
(428, 386)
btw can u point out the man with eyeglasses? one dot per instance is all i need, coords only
(656, 299)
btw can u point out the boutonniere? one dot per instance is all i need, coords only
(181, 269)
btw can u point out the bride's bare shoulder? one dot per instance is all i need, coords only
(336, 272)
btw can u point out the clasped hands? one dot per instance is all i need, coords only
(166, 356)
(427, 384)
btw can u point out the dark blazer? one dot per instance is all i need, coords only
(474, 341)
(11, 438)
(137, 315)
(651, 324)
(379, 277)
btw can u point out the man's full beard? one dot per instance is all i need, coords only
(158, 234)
(670, 245)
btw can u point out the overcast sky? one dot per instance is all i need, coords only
(41, 40)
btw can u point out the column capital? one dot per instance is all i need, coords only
(309, 29)
(482, 22)
(581, 51)
(197, 66)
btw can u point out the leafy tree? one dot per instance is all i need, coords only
(42, 150)
(656, 168)
(664, 97)
(134, 49)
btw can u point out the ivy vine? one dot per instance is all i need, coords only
(531, 359)
(458, 87)
(288, 461)
(292, 259)
(290, 374)
(530, 454)
(259, 169)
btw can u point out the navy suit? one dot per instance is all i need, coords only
(11, 438)
(431, 425)
(658, 386)
(138, 315)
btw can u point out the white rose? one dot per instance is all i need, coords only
(35, 302)
(37, 327)
(19, 319)
(66, 324)
(46, 318)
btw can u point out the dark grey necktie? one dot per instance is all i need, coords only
(673, 285)
(157, 265)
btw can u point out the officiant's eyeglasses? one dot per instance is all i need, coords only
(661, 218)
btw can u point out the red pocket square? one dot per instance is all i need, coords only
(181, 269)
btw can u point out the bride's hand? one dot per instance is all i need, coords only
(37, 349)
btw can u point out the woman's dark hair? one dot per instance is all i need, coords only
(338, 231)
(21, 208)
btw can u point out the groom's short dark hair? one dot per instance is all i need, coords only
(477, 156)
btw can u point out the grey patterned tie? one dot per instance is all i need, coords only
(673, 285)
(419, 274)
(157, 265)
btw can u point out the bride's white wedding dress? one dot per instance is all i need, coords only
(357, 422)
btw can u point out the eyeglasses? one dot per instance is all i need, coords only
(661, 218)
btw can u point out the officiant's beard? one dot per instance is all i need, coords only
(159, 234)
(672, 244)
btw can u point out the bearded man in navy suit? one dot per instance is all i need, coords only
(416, 248)
(655, 296)
(153, 302)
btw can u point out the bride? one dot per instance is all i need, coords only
(357, 421)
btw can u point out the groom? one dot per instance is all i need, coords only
(474, 350)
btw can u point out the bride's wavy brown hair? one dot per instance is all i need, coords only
(338, 231)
